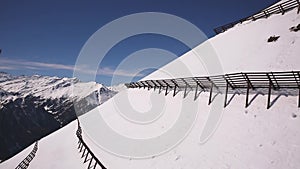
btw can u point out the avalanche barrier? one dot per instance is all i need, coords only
(25, 163)
(288, 81)
(87, 154)
(280, 8)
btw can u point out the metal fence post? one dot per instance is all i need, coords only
(210, 94)
(226, 92)
(269, 94)
(247, 95)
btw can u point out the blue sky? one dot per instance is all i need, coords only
(45, 37)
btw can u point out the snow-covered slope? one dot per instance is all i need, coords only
(252, 138)
(243, 48)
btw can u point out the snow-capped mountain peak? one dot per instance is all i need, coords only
(33, 106)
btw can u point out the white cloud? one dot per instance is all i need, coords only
(9, 64)
(6, 67)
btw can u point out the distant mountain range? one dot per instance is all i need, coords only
(32, 107)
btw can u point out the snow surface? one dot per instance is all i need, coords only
(243, 48)
(58, 150)
(252, 138)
